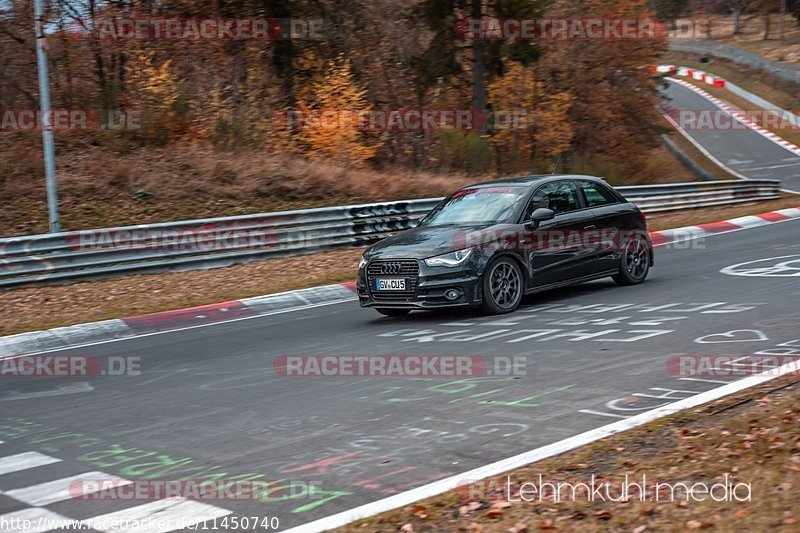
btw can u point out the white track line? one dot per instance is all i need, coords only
(37, 521)
(23, 461)
(63, 489)
(167, 515)
(538, 454)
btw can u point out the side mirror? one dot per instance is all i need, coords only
(538, 216)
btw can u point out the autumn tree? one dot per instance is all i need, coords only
(330, 128)
(154, 92)
(613, 114)
(444, 56)
(530, 118)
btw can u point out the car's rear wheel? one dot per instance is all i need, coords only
(388, 311)
(502, 286)
(634, 263)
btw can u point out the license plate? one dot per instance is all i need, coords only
(394, 284)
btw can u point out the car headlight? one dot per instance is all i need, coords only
(362, 263)
(453, 259)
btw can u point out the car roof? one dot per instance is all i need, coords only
(526, 181)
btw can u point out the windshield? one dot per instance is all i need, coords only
(476, 206)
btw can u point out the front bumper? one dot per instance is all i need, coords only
(425, 286)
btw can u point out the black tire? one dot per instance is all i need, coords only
(634, 263)
(500, 297)
(388, 311)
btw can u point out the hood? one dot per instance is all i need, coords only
(426, 241)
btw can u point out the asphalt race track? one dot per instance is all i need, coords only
(212, 403)
(743, 150)
(209, 403)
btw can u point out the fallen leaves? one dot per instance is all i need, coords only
(603, 514)
(420, 511)
(474, 506)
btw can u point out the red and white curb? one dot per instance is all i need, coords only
(93, 333)
(719, 82)
(662, 238)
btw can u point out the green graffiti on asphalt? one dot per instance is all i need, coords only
(152, 465)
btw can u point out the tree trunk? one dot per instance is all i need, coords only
(100, 68)
(783, 16)
(479, 87)
(767, 25)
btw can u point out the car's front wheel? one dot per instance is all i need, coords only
(392, 312)
(502, 286)
(634, 263)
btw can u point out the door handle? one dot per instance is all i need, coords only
(590, 227)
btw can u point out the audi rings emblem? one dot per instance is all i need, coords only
(390, 268)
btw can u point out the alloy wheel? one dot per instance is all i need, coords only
(505, 285)
(636, 258)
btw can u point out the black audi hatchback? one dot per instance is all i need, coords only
(488, 245)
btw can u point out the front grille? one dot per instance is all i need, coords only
(407, 269)
(393, 268)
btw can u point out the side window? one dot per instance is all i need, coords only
(596, 195)
(560, 196)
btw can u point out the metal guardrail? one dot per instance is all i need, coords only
(216, 242)
(688, 162)
(779, 69)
